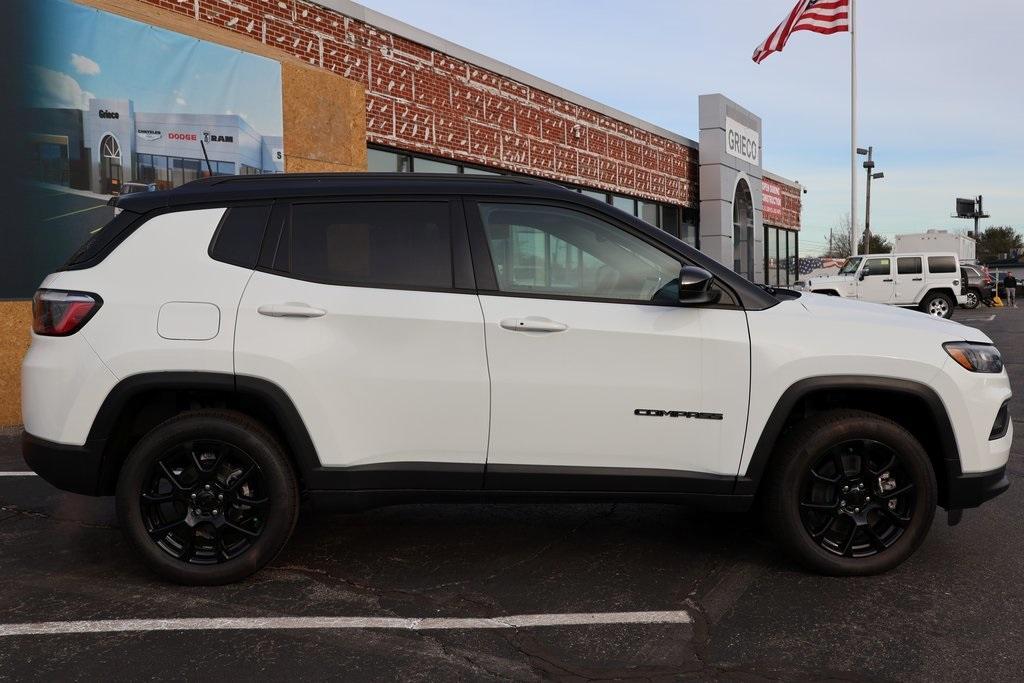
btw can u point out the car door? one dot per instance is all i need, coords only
(909, 279)
(876, 281)
(364, 313)
(600, 380)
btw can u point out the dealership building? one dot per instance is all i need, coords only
(110, 143)
(363, 91)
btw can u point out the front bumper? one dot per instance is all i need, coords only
(972, 489)
(77, 469)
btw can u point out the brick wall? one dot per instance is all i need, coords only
(422, 100)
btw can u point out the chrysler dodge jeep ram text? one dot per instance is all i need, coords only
(219, 352)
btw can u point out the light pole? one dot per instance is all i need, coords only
(869, 165)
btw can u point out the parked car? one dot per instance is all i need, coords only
(127, 189)
(132, 188)
(219, 352)
(978, 285)
(929, 281)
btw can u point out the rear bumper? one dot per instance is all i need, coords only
(973, 489)
(71, 468)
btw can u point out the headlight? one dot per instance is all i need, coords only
(975, 357)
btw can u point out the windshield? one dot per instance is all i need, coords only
(850, 266)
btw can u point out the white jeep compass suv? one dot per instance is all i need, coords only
(221, 351)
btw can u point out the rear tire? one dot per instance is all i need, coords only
(973, 298)
(850, 493)
(207, 498)
(938, 304)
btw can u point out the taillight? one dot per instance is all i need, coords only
(58, 313)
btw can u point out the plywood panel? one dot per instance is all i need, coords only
(324, 120)
(15, 334)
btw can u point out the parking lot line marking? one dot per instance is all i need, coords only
(17, 474)
(292, 623)
(72, 213)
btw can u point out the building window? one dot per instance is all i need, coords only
(743, 231)
(627, 204)
(431, 166)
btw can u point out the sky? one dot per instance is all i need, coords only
(941, 89)
(76, 58)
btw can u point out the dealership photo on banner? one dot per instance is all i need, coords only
(149, 110)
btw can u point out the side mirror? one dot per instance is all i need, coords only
(864, 273)
(695, 287)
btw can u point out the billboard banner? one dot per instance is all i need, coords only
(115, 106)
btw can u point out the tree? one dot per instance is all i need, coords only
(839, 241)
(879, 244)
(997, 242)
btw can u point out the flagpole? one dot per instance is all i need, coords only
(853, 128)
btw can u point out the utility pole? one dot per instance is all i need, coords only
(869, 166)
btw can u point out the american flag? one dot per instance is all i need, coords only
(820, 16)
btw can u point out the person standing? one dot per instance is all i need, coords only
(1010, 282)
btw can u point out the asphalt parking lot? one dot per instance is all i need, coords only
(731, 604)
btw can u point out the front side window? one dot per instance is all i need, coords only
(384, 244)
(550, 250)
(941, 264)
(878, 266)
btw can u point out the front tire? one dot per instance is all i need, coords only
(938, 304)
(973, 299)
(851, 493)
(207, 498)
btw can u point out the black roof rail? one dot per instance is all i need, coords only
(213, 181)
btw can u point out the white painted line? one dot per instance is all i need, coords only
(18, 474)
(980, 320)
(271, 623)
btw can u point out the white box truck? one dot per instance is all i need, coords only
(938, 240)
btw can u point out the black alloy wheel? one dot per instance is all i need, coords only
(207, 497)
(205, 501)
(850, 492)
(857, 498)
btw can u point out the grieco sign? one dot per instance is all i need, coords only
(742, 142)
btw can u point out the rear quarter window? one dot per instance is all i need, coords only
(103, 241)
(239, 236)
(941, 264)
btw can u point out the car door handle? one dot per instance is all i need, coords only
(888, 279)
(918, 279)
(533, 325)
(290, 310)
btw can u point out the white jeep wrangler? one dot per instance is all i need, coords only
(221, 351)
(929, 281)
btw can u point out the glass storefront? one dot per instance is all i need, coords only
(168, 172)
(781, 256)
(679, 221)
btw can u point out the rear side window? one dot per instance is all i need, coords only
(384, 244)
(240, 234)
(908, 265)
(941, 264)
